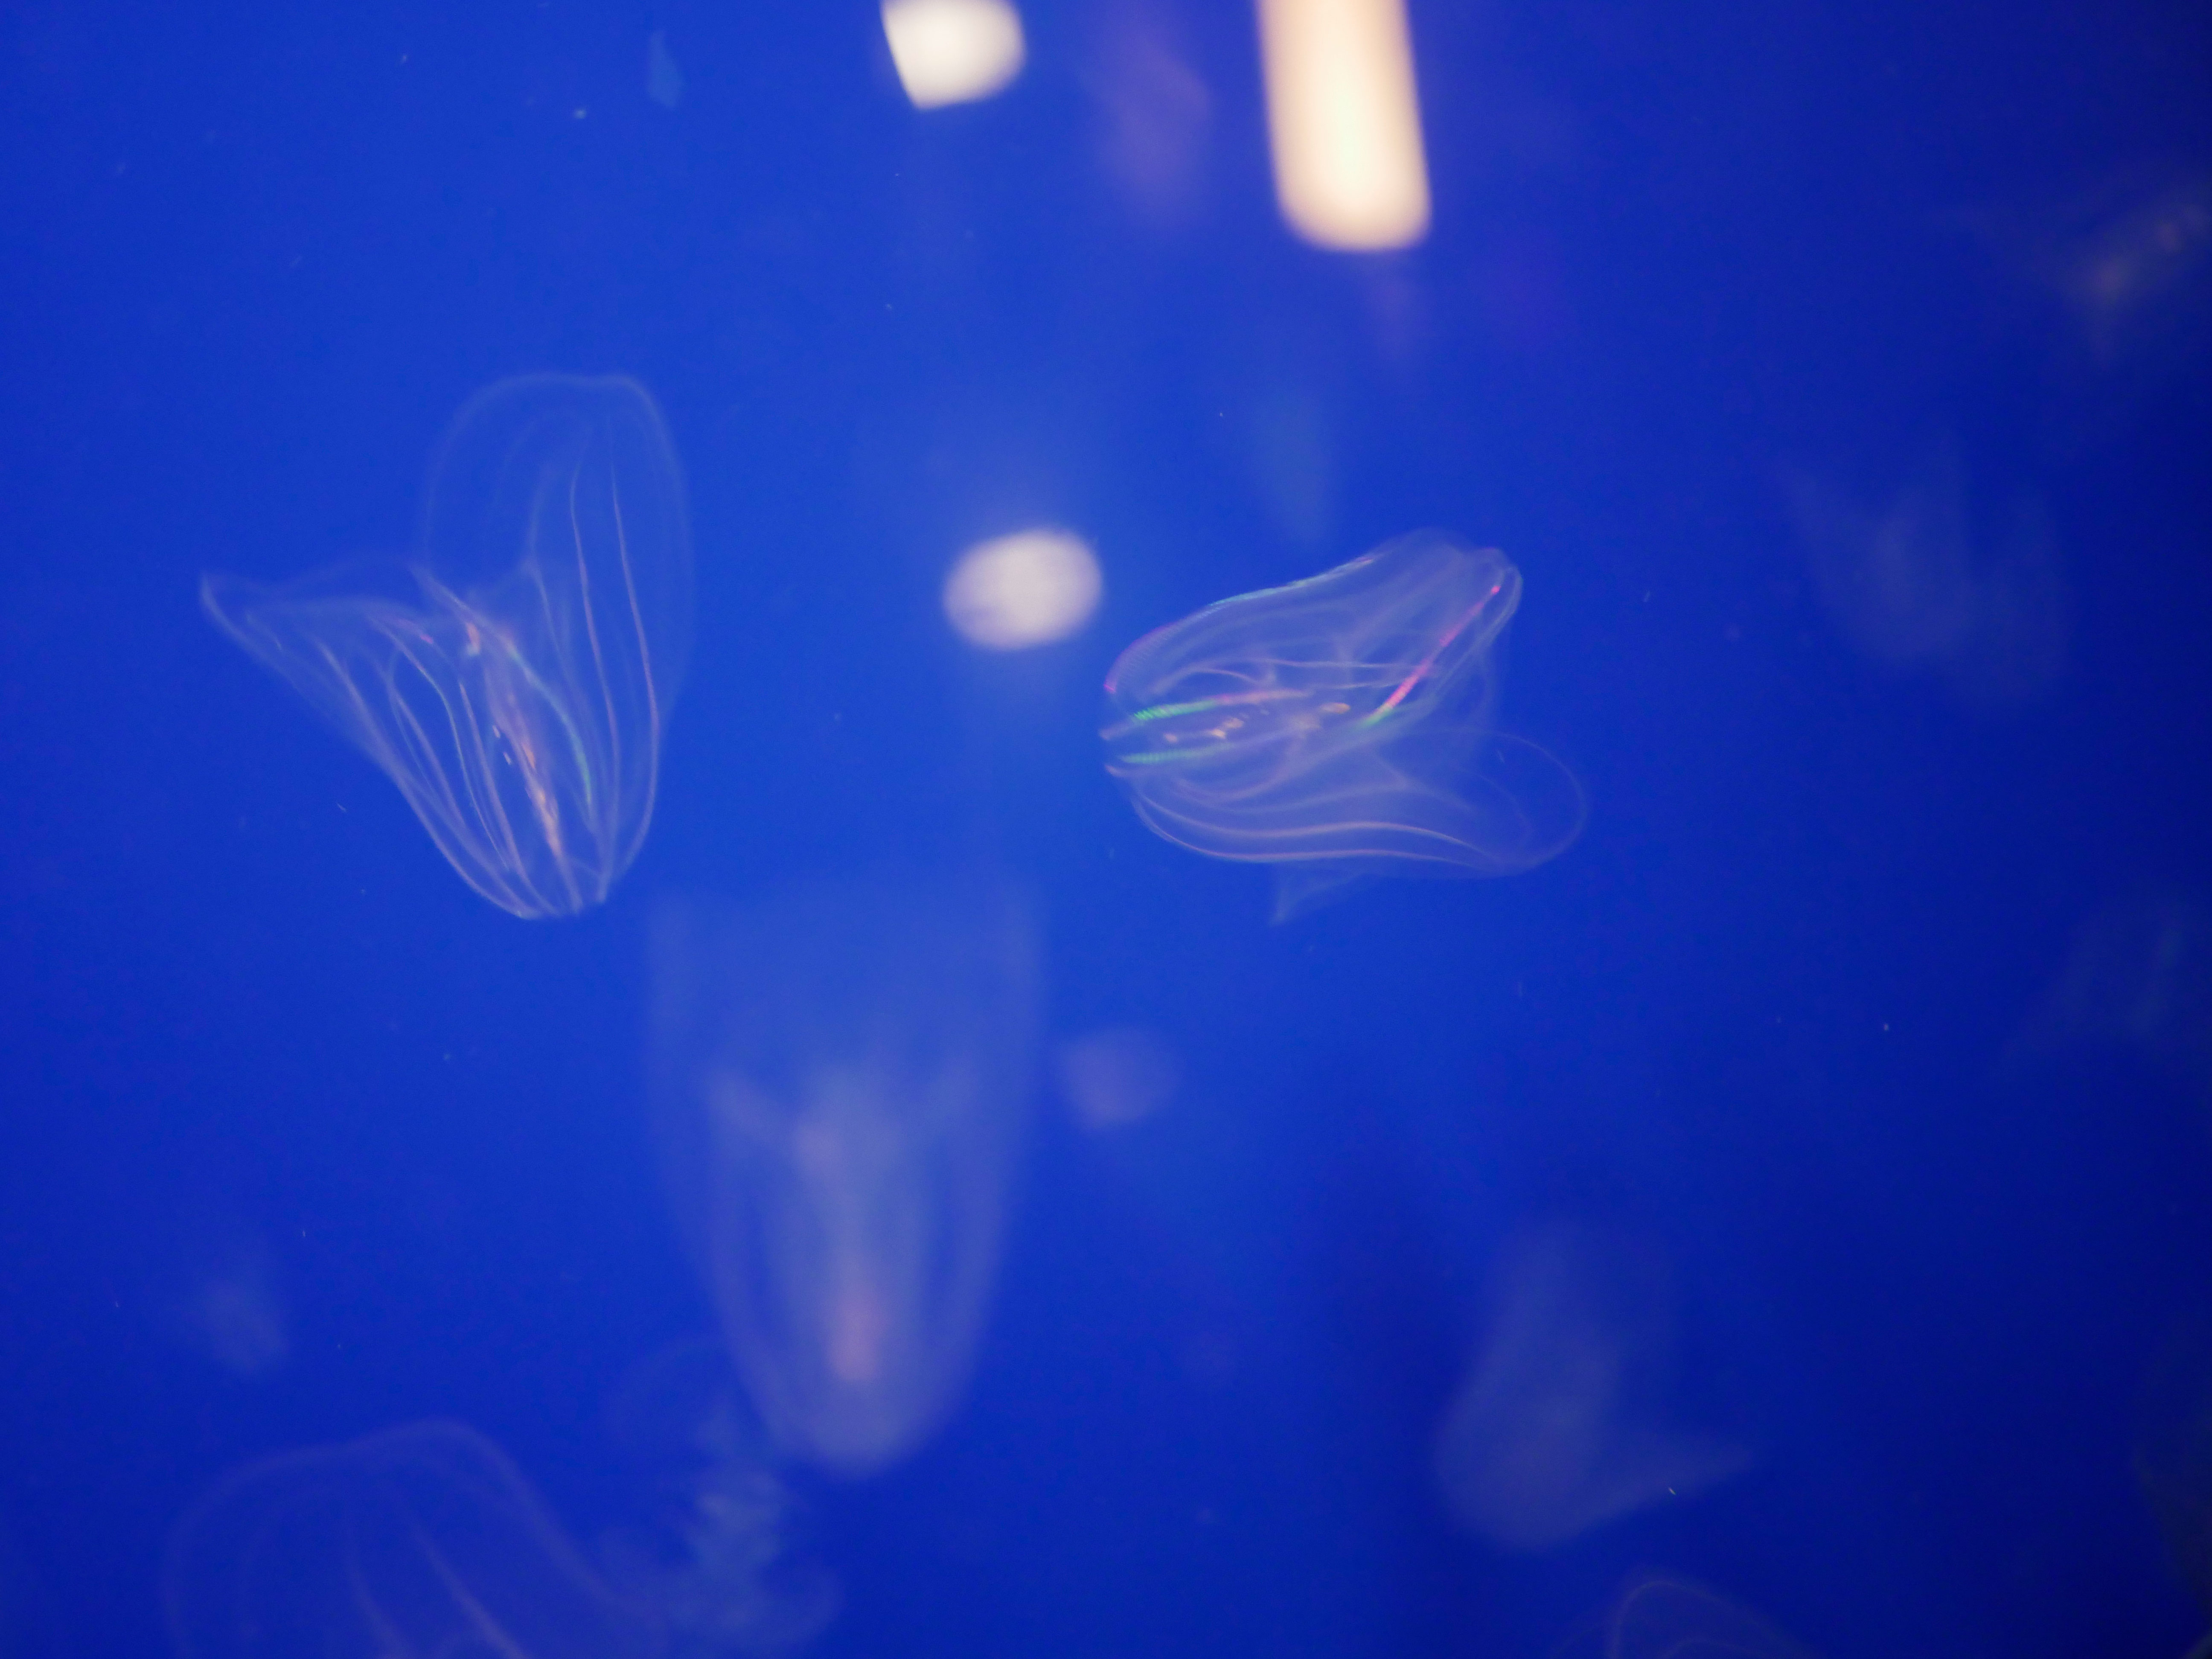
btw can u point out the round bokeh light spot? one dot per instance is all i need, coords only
(1027, 589)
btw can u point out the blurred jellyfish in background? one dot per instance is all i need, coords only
(1337, 728)
(953, 52)
(664, 76)
(1911, 584)
(715, 1553)
(2133, 257)
(1117, 1077)
(1344, 122)
(221, 1297)
(1565, 1420)
(840, 1076)
(422, 1541)
(1660, 1618)
(516, 682)
(2137, 977)
(1153, 110)
(1031, 588)
(2129, 255)
(2105, 286)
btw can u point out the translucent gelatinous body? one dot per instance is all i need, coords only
(1338, 726)
(516, 682)
(420, 1540)
(840, 1076)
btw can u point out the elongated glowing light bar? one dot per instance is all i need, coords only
(1344, 122)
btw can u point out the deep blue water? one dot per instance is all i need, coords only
(1838, 379)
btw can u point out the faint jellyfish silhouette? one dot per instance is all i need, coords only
(422, 1541)
(224, 1300)
(717, 1552)
(664, 76)
(2127, 254)
(1561, 1425)
(2134, 258)
(1153, 111)
(1114, 1078)
(2137, 977)
(515, 682)
(1660, 1618)
(1337, 728)
(1911, 585)
(214, 1282)
(2108, 280)
(840, 1075)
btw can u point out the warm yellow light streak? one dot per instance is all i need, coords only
(1344, 122)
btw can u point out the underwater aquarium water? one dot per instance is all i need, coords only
(1343, 828)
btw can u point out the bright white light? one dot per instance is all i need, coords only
(953, 52)
(1344, 123)
(1029, 588)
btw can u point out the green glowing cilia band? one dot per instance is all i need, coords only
(1227, 700)
(1388, 705)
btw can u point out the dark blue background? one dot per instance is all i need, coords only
(252, 261)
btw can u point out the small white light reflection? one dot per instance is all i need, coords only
(1344, 123)
(1030, 588)
(953, 52)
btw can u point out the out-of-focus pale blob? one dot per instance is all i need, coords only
(2109, 277)
(663, 76)
(515, 682)
(1154, 112)
(229, 1308)
(2129, 255)
(418, 1541)
(1344, 122)
(1662, 1617)
(2138, 266)
(712, 1552)
(1562, 1423)
(840, 1076)
(1904, 582)
(953, 52)
(1030, 588)
(1339, 728)
(1118, 1077)
(2138, 976)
